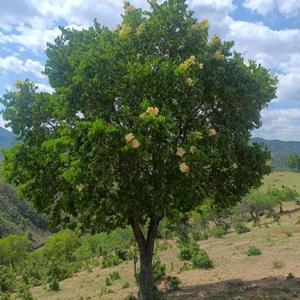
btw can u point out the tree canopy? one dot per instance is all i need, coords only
(147, 119)
(293, 162)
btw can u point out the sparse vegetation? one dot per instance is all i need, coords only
(253, 251)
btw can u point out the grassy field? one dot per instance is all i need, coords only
(234, 276)
(279, 179)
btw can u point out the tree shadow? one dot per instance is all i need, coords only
(277, 288)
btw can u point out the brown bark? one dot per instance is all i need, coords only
(146, 282)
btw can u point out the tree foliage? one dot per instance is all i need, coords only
(146, 120)
(293, 162)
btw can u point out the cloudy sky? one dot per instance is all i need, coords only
(267, 31)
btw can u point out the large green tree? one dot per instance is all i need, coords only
(146, 120)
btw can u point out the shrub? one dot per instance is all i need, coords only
(130, 297)
(13, 249)
(110, 260)
(61, 245)
(290, 276)
(201, 260)
(122, 254)
(159, 270)
(114, 276)
(218, 231)
(278, 264)
(188, 251)
(241, 228)
(172, 283)
(24, 293)
(253, 251)
(186, 266)
(58, 270)
(7, 279)
(185, 253)
(54, 285)
(104, 291)
(125, 285)
(108, 281)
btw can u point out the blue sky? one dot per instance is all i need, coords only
(267, 31)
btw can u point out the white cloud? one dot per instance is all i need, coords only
(288, 8)
(14, 64)
(44, 88)
(263, 7)
(282, 124)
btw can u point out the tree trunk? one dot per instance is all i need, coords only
(148, 290)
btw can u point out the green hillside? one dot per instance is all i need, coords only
(17, 216)
(279, 150)
(7, 139)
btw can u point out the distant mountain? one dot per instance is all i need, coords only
(17, 216)
(280, 150)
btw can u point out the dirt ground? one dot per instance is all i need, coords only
(234, 276)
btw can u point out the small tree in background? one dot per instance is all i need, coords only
(293, 162)
(146, 120)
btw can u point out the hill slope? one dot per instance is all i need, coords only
(17, 216)
(279, 150)
(7, 139)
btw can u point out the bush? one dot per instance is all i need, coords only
(159, 270)
(7, 279)
(253, 251)
(188, 251)
(108, 281)
(241, 228)
(61, 245)
(278, 264)
(201, 260)
(58, 270)
(24, 293)
(114, 276)
(110, 260)
(122, 254)
(172, 283)
(218, 231)
(125, 285)
(13, 249)
(186, 267)
(54, 285)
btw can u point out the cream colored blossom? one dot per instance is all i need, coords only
(218, 55)
(180, 152)
(128, 9)
(129, 137)
(140, 30)
(135, 143)
(212, 132)
(152, 111)
(189, 81)
(204, 24)
(201, 25)
(125, 30)
(235, 166)
(184, 168)
(79, 187)
(215, 41)
(193, 149)
(201, 66)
